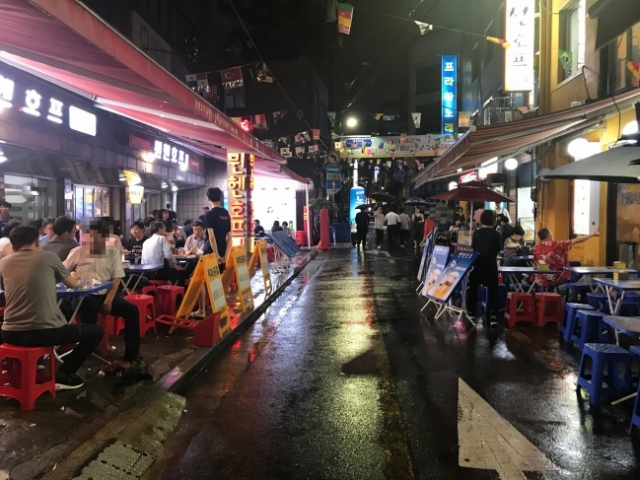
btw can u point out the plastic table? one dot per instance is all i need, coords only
(587, 273)
(516, 275)
(138, 271)
(612, 287)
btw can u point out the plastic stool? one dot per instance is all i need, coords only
(604, 379)
(587, 328)
(549, 309)
(166, 299)
(630, 305)
(20, 382)
(146, 309)
(577, 293)
(570, 310)
(599, 301)
(159, 283)
(520, 307)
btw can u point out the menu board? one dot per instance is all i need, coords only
(242, 278)
(436, 267)
(452, 275)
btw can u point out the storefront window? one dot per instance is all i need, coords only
(91, 202)
(28, 197)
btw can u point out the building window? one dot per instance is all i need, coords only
(573, 39)
(624, 49)
(235, 100)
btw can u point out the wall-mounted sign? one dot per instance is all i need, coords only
(31, 100)
(409, 146)
(239, 186)
(449, 94)
(140, 143)
(135, 194)
(518, 58)
(168, 153)
(468, 177)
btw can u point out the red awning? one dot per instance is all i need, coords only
(64, 42)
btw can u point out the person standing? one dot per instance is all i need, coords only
(418, 227)
(287, 231)
(36, 320)
(477, 223)
(497, 208)
(459, 215)
(204, 212)
(171, 213)
(392, 219)
(362, 228)
(5, 217)
(487, 242)
(276, 227)
(378, 223)
(404, 229)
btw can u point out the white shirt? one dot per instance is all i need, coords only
(6, 248)
(503, 211)
(155, 250)
(404, 221)
(97, 267)
(378, 220)
(392, 218)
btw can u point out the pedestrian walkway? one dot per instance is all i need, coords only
(342, 378)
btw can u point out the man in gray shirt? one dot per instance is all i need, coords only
(63, 240)
(32, 317)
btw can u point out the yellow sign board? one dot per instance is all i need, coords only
(193, 290)
(243, 279)
(216, 291)
(261, 248)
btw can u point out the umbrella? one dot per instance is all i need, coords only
(616, 165)
(365, 206)
(417, 201)
(473, 192)
(382, 197)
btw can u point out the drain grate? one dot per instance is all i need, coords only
(118, 461)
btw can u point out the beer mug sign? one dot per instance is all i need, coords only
(456, 270)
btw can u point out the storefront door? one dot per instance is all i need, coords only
(91, 201)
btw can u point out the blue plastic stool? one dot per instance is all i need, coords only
(569, 320)
(577, 293)
(599, 301)
(604, 379)
(630, 305)
(635, 418)
(587, 328)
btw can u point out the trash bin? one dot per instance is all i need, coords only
(628, 253)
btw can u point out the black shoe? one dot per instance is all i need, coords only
(139, 365)
(68, 381)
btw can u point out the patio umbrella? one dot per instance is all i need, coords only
(382, 197)
(473, 192)
(618, 165)
(416, 201)
(365, 206)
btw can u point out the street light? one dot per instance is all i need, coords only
(352, 122)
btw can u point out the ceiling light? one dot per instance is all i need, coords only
(459, 170)
(352, 122)
(164, 185)
(453, 185)
(174, 188)
(3, 159)
(511, 164)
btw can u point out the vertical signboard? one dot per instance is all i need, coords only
(239, 186)
(518, 58)
(449, 93)
(334, 179)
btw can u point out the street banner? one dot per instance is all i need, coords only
(277, 116)
(449, 279)
(263, 74)
(300, 151)
(217, 296)
(243, 280)
(198, 81)
(303, 137)
(345, 17)
(315, 133)
(416, 116)
(566, 60)
(285, 152)
(430, 145)
(436, 267)
(634, 68)
(424, 27)
(260, 122)
(232, 78)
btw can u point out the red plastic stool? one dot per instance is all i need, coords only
(550, 309)
(19, 381)
(520, 307)
(166, 299)
(159, 283)
(146, 309)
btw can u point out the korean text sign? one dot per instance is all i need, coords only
(239, 186)
(449, 93)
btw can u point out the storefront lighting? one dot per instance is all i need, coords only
(352, 122)
(577, 147)
(174, 188)
(164, 185)
(148, 156)
(630, 128)
(183, 167)
(489, 162)
(3, 159)
(511, 164)
(453, 185)
(459, 170)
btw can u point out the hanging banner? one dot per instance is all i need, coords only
(464, 119)
(566, 60)
(520, 35)
(382, 147)
(634, 68)
(242, 278)
(277, 116)
(260, 122)
(424, 27)
(217, 297)
(263, 74)
(135, 194)
(232, 78)
(449, 94)
(300, 151)
(285, 152)
(416, 116)
(345, 17)
(314, 148)
(198, 81)
(315, 133)
(303, 137)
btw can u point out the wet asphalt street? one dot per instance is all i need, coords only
(343, 379)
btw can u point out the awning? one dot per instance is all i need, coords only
(64, 42)
(512, 138)
(610, 166)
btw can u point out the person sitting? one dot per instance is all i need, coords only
(504, 228)
(133, 246)
(512, 248)
(102, 263)
(554, 253)
(258, 230)
(195, 243)
(5, 244)
(46, 232)
(32, 317)
(287, 231)
(454, 229)
(276, 227)
(156, 250)
(63, 241)
(176, 235)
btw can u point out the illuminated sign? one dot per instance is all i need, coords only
(469, 177)
(518, 58)
(449, 93)
(32, 102)
(169, 153)
(135, 194)
(239, 186)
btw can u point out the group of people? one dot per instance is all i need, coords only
(398, 224)
(258, 230)
(37, 256)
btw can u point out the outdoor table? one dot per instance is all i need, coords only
(138, 271)
(612, 287)
(515, 275)
(587, 273)
(628, 325)
(525, 258)
(79, 293)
